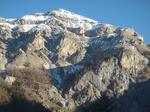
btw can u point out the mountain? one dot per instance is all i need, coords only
(92, 66)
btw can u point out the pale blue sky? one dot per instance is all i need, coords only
(126, 13)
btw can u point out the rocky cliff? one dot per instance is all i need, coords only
(92, 65)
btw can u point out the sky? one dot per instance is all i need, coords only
(125, 13)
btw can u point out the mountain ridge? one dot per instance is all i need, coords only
(86, 60)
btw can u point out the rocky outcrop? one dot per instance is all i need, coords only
(87, 60)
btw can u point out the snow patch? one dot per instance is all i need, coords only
(112, 35)
(75, 20)
(27, 28)
(96, 26)
(35, 17)
(68, 14)
(33, 27)
(41, 27)
(99, 25)
(141, 38)
(8, 25)
(10, 20)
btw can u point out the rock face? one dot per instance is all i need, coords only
(86, 59)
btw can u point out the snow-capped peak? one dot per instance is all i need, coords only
(71, 15)
(73, 20)
(67, 18)
(61, 19)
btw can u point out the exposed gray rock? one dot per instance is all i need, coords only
(86, 60)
